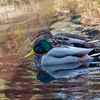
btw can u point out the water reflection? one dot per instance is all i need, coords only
(42, 76)
(68, 81)
(71, 70)
(67, 70)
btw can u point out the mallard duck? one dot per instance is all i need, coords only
(63, 38)
(59, 54)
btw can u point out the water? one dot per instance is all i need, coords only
(19, 79)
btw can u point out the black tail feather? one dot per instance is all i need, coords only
(94, 53)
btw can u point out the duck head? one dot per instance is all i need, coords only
(42, 34)
(40, 47)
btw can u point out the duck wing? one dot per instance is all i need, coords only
(70, 38)
(69, 51)
(67, 38)
(58, 39)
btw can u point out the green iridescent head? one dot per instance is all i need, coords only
(40, 47)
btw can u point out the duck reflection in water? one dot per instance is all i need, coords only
(73, 70)
(42, 76)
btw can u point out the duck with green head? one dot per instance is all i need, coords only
(60, 54)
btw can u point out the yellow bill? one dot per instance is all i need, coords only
(35, 72)
(30, 54)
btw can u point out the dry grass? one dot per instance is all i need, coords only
(89, 9)
(60, 5)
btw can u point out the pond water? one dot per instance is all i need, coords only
(19, 79)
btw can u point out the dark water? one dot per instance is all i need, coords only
(20, 80)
